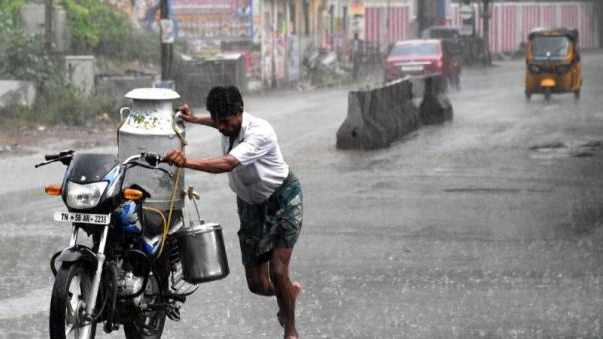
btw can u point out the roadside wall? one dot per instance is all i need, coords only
(13, 92)
(118, 86)
(510, 24)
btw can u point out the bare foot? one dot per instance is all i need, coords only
(296, 291)
(296, 288)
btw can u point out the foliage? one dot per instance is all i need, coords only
(11, 7)
(23, 57)
(97, 28)
(70, 108)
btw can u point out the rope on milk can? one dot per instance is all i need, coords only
(166, 228)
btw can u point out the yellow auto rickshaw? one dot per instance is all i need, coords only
(553, 62)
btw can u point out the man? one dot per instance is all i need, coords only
(269, 196)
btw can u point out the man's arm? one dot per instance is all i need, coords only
(211, 165)
(187, 115)
(205, 120)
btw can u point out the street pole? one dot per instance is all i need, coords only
(420, 16)
(273, 39)
(166, 48)
(387, 26)
(599, 15)
(48, 26)
(486, 17)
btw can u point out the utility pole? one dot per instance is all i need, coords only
(599, 15)
(486, 16)
(387, 23)
(420, 16)
(166, 46)
(48, 38)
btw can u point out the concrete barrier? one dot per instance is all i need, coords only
(434, 105)
(379, 116)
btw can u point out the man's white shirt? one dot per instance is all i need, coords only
(262, 167)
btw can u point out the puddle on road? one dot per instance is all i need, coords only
(548, 146)
(571, 149)
(482, 190)
(494, 190)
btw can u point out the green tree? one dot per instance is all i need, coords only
(96, 28)
(99, 29)
(23, 57)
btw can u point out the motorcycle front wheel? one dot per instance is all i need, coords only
(68, 303)
(148, 324)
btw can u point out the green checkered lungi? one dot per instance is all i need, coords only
(274, 223)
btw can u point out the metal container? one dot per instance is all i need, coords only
(151, 126)
(202, 253)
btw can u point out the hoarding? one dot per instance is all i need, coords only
(214, 19)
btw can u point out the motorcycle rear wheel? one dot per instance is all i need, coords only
(135, 328)
(68, 303)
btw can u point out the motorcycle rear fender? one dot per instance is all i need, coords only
(78, 253)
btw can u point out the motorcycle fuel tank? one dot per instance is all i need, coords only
(151, 126)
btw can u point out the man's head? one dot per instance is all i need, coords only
(225, 105)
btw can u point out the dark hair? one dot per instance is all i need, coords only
(223, 102)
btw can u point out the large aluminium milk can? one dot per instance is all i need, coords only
(151, 126)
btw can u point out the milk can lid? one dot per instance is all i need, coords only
(152, 94)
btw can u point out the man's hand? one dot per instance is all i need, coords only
(186, 114)
(174, 158)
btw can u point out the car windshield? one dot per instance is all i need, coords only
(416, 49)
(550, 46)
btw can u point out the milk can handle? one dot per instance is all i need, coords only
(121, 112)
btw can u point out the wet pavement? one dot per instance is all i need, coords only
(488, 226)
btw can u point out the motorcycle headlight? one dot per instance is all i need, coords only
(84, 196)
(534, 68)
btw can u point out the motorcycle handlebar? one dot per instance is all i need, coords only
(64, 157)
(151, 158)
(49, 157)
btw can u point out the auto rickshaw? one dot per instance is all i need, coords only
(553, 62)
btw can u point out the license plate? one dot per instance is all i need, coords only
(84, 218)
(410, 68)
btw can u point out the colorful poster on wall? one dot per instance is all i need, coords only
(268, 38)
(357, 8)
(198, 19)
(215, 19)
(274, 42)
(293, 59)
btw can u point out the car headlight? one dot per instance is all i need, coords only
(534, 68)
(85, 196)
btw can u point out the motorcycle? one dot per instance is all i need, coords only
(321, 68)
(123, 276)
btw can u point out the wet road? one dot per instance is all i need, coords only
(489, 226)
